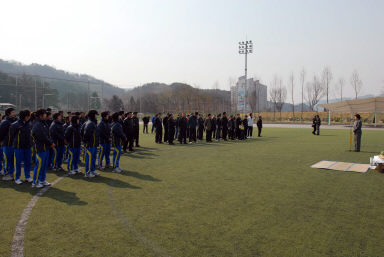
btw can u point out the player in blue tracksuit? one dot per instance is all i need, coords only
(42, 144)
(118, 137)
(7, 141)
(91, 140)
(73, 138)
(104, 130)
(57, 134)
(22, 143)
(65, 126)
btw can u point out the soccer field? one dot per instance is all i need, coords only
(252, 198)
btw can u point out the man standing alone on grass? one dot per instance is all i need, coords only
(91, 139)
(7, 141)
(145, 124)
(259, 126)
(357, 132)
(118, 138)
(42, 144)
(22, 143)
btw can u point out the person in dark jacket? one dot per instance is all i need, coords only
(316, 125)
(22, 143)
(91, 140)
(231, 128)
(192, 127)
(183, 129)
(42, 144)
(145, 124)
(224, 126)
(218, 127)
(171, 128)
(214, 126)
(238, 122)
(128, 130)
(104, 128)
(200, 123)
(136, 129)
(6, 141)
(118, 138)
(153, 123)
(357, 132)
(177, 125)
(165, 124)
(245, 127)
(57, 134)
(73, 138)
(65, 126)
(159, 129)
(259, 125)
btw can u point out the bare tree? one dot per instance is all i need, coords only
(339, 88)
(273, 94)
(326, 80)
(302, 80)
(281, 96)
(356, 83)
(292, 82)
(315, 91)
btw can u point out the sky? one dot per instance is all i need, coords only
(128, 43)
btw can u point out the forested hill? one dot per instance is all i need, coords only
(62, 81)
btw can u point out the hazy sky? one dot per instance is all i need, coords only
(132, 42)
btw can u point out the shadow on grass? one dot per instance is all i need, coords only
(70, 198)
(139, 176)
(108, 181)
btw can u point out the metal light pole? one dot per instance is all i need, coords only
(245, 48)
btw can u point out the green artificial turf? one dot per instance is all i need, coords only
(252, 198)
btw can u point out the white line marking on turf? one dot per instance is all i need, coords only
(130, 228)
(18, 238)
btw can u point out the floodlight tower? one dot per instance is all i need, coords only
(245, 48)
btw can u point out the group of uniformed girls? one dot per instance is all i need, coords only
(39, 140)
(193, 127)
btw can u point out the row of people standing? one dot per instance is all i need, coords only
(193, 127)
(35, 138)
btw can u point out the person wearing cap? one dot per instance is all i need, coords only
(91, 140)
(42, 144)
(73, 138)
(22, 144)
(7, 141)
(118, 138)
(136, 129)
(56, 131)
(105, 140)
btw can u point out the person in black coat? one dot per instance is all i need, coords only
(237, 126)
(73, 139)
(128, 130)
(183, 129)
(165, 124)
(259, 125)
(171, 128)
(224, 126)
(56, 131)
(6, 141)
(214, 126)
(145, 124)
(118, 137)
(91, 140)
(200, 124)
(159, 129)
(136, 129)
(192, 122)
(22, 143)
(104, 128)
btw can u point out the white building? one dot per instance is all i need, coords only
(254, 95)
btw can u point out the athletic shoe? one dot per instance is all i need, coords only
(95, 173)
(117, 170)
(29, 180)
(77, 171)
(18, 182)
(71, 172)
(90, 175)
(46, 183)
(60, 169)
(101, 168)
(8, 177)
(38, 185)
